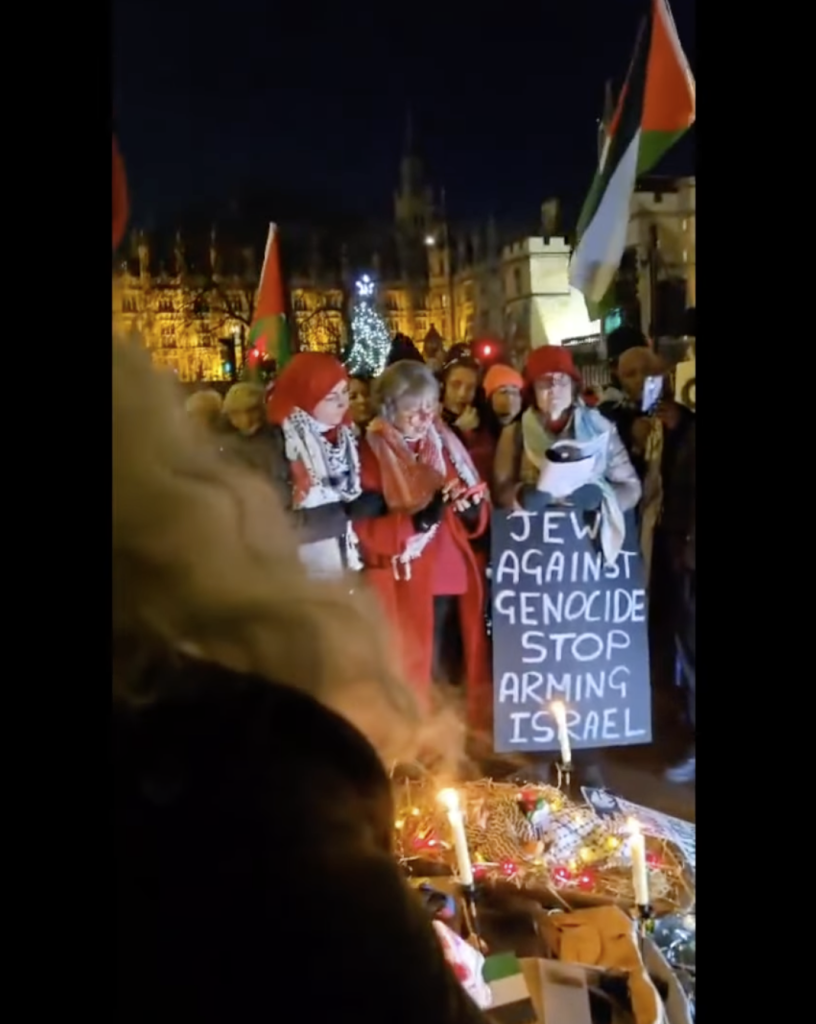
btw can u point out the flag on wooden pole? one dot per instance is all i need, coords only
(655, 108)
(269, 336)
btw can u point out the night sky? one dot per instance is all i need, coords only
(215, 95)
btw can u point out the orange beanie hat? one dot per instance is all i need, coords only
(499, 376)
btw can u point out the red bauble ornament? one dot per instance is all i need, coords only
(562, 875)
(586, 880)
(509, 868)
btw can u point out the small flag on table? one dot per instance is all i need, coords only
(269, 335)
(512, 1003)
(656, 107)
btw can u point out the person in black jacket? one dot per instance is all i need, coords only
(253, 712)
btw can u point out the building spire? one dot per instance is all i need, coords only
(408, 148)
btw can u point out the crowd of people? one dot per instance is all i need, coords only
(257, 703)
(395, 478)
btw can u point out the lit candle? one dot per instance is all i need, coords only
(450, 798)
(640, 876)
(560, 715)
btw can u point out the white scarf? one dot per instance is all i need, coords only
(334, 474)
(586, 425)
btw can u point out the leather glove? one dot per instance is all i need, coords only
(370, 505)
(429, 516)
(588, 498)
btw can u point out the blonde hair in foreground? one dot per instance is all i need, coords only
(204, 562)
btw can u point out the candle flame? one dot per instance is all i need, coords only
(450, 798)
(559, 711)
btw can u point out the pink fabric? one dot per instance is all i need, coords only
(449, 568)
(450, 571)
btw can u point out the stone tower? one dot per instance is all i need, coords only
(413, 202)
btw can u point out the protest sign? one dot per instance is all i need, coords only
(569, 627)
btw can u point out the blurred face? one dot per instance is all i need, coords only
(553, 394)
(358, 402)
(333, 408)
(460, 388)
(631, 379)
(247, 422)
(506, 403)
(414, 416)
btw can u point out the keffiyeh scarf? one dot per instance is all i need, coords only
(323, 472)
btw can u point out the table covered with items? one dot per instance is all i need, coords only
(555, 907)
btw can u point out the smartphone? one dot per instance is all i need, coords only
(652, 392)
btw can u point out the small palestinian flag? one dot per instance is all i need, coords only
(269, 335)
(656, 106)
(512, 1003)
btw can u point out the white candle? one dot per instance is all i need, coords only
(640, 875)
(560, 715)
(450, 798)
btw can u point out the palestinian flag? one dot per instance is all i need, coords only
(512, 1003)
(269, 336)
(656, 106)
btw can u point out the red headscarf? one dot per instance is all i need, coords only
(303, 384)
(550, 359)
(120, 197)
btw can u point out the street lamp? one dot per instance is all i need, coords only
(430, 240)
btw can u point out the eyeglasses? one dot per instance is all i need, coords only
(553, 380)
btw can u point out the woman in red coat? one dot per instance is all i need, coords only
(418, 557)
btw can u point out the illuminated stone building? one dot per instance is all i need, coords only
(185, 294)
(662, 235)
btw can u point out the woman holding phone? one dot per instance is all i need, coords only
(418, 557)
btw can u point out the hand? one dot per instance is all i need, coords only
(429, 516)
(668, 412)
(469, 420)
(454, 493)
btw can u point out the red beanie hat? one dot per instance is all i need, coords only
(120, 197)
(550, 359)
(303, 384)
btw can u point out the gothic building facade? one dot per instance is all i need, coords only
(184, 295)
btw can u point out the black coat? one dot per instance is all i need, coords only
(254, 873)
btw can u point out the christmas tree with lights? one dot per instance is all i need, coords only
(370, 340)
